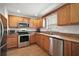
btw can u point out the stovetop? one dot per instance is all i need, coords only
(20, 33)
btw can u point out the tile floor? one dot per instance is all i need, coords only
(32, 50)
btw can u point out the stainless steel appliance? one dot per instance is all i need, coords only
(3, 35)
(56, 46)
(23, 25)
(23, 38)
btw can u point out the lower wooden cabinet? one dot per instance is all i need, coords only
(75, 49)
(71, 48)
(38, 38)
(67, 48)
(32, 38)
(12, 41)
(46, 43)
(41, 40)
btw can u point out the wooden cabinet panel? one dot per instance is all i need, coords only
(36, 23)
(68, 14)
(71, 48)
(64, 15)
(20, 19)
(12, 41)
(75, 49)
(75, 13)
(26, 20)
(41, 40)
(12, 21)
(67, 48)
(46, 43)
(32, 38)
(38, 39)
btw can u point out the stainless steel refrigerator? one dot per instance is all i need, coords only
(3, 35)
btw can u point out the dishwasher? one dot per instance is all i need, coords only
(56, 46)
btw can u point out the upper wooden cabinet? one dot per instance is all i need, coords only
(68, 14)
(74, 13)
(36, 23)
(64, 15)
(14, 20)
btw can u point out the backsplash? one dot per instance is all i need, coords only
(73, 29)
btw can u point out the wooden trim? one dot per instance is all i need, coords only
(53, 11)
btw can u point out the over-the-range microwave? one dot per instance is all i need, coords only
(23, 25)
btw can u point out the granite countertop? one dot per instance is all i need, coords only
(68, 37)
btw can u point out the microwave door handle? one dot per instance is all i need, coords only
(2, 28)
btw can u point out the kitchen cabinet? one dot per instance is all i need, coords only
(38, 39)
(12, 41)
(36, 23)
(25, 19)
(63, 15)
(67, 48)
(43, 41)
(46, 43)
(75, 49)
(14, 20)
(32, 38)
(71, 48)
(68, 14)
(74, 13)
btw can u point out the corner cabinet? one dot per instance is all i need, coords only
(71, 48)
(41, 40)
(68, 14)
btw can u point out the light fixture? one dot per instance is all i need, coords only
(18, 11)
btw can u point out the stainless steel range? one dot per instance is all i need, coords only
(23, 38)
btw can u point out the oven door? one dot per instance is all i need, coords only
(23, 40)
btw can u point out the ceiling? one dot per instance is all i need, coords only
(30, 9)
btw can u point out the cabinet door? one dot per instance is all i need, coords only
(12, 41)
(32, 38)
(75, 13)
(67, 48)
(20, 19)
(12, 21)
(25, 19)
(39, 23)
(63, 15)
(38, 39)
(75, 49)
(46, 43)
(42, 41)
(35, 23)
